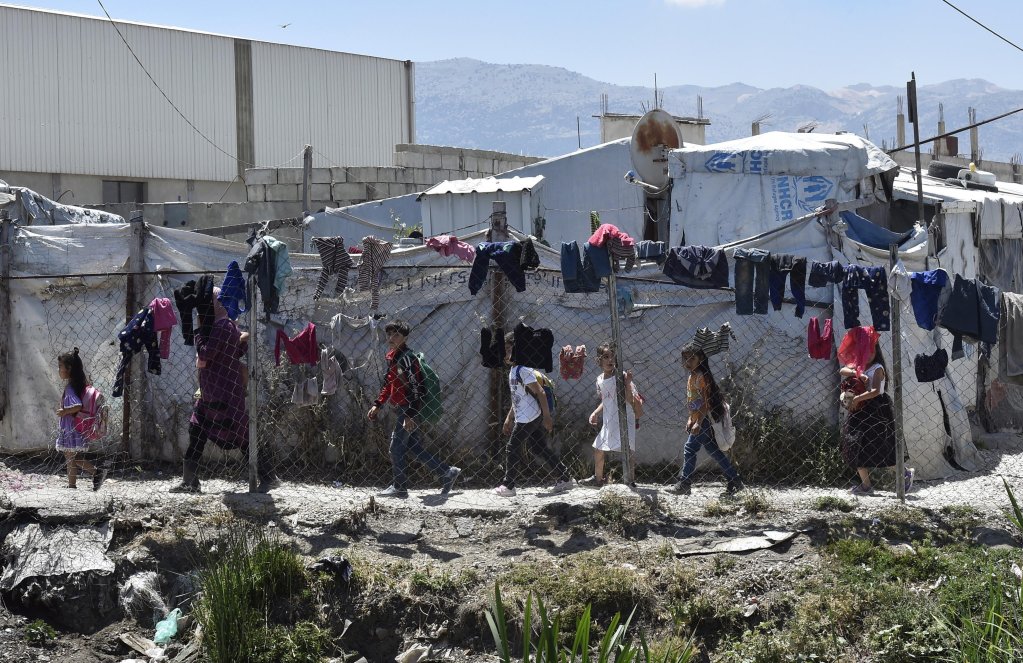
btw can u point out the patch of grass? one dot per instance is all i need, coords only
(304, 642)
(832, 503)
(901, 523)
(718, 509)
(40, 634)
(958, 520)
(570, 584)
(755, 502)
(722, 564)
(622, 513)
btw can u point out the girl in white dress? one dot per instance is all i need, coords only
(609, 437)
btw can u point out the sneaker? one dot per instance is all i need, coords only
(449, 480)
(910, 473)
(592, 481)
(504, 491)
(860, 489)
(734, 486)
(682, 488)
(563, 486)
(99, 477)
(391, 491)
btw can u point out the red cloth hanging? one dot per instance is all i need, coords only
(857, 348)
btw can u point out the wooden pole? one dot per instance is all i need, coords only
(253, 386)
(6, 235)
(896, 381)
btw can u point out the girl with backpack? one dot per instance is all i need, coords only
(609, 437)
(70, 439)
(706, 405)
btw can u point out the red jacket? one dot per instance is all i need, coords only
(404, 385)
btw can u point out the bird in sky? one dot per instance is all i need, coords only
(284, 25)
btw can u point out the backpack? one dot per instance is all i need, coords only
(432, 407)
(91, 420)
(548, 387)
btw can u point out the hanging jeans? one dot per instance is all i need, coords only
(875, 281)
(752, 267)
(783, 264)
(577, 275)
(404, 442)
(532, 435)
(705, 439)
(507, 255)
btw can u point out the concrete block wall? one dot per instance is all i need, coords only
(1004, 172)
(416, 168)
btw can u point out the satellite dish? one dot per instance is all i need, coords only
(654, 135)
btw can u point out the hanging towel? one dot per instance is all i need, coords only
(302, 349)
(163, 322)
(820, 339)
(335, 261)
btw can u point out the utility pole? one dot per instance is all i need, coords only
(307, 174)
(915, 119)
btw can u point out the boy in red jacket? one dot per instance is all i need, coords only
(405, 388)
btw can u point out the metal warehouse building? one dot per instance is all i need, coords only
(80, 118)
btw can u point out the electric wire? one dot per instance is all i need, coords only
(1007, 41)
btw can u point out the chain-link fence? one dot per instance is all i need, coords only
(310, 419)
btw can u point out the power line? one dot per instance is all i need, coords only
(1010, 43)
(955, 131)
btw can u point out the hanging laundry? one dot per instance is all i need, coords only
(529, 259)
(163, 322)
(232, 292)
(712, 343)
(820, 338)
(262, 262)
(282, 262)
(697, 267)
(302, 349)
(650, 250)
(925, 292)
(572, 362)
(900, 283)
(375, 254)
(533, 348)
(306, 393)
(972, 311)
(857, 348)
(449, 245)
(752, 270)
(331, 370)
(875, 281)
(195, 296)
(782, 265)
(607, 231)
(929, 368)
(619, 245)
(1010, 341)
(137, 334)
(492, 347)
(335, 261)
(599, 258)
(825, 273)
(507, 255)
(577, 275)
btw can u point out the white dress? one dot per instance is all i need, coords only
(609, 438)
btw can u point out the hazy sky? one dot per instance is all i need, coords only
(766, 43)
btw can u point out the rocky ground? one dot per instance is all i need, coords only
(424, 567)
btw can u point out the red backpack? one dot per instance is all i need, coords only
(91, 420)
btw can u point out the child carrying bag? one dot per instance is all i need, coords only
(91, 420)
(724, 431)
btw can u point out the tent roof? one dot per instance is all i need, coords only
(484, 185)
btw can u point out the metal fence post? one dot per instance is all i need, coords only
(896, 378)
(6, 232)
(253, 385)
(628, 468)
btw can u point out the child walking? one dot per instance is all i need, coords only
(705, 405)
(529, 421)
(69, 440)
(609, 438)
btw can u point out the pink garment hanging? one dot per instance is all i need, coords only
(301, 350)
(857, 348)
(607, 231)
(449, 245)
(819, 341)
(164, 320)
(572, 362)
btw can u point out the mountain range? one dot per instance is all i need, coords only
(532, 109)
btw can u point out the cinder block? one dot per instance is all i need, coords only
(362, 174)
(449, 162)
(486, 166)
(277, 193)
(321, 176)
(255, 193)
(423, 176)
(257, 176)
(319, 192)
(289, 175)
(403, 175)
(409, 159)
(503, 166)
(338, 175)
(348, 191)
(432, 161)
(387, 175)
(469, 164)
(395, 189)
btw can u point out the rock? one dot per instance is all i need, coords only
(994, 538)
(414, 654)
(140, 597)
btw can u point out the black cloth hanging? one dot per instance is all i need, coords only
(492, 347)
(533, 348)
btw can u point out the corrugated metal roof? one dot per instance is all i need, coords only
(938, 190)
(484, 185)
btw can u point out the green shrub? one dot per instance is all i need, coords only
(40, 634)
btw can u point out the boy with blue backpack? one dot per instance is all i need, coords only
(530, 419)
(412, 387)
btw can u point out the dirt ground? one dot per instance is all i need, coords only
(431, 560)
